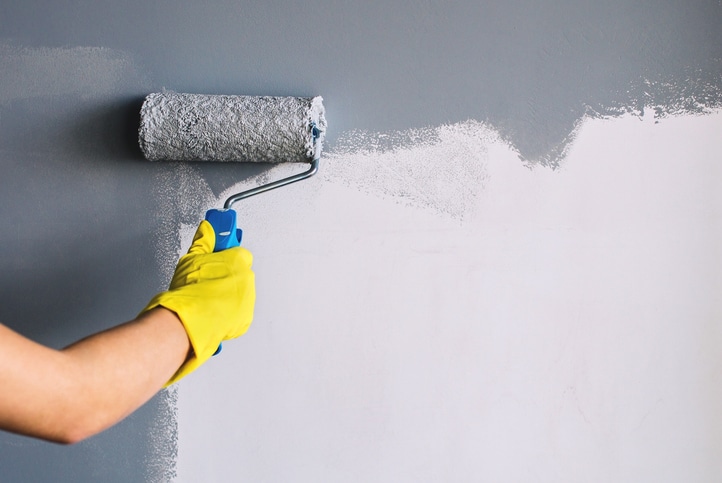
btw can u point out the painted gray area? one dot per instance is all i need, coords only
(532, 69)
(85, 217)
(78, 225)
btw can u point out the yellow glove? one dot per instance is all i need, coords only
(213, 294)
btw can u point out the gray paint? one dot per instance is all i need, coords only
(532, 69)
(85, 216)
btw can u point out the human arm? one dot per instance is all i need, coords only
(67, 395)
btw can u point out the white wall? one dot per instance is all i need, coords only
(522, 323)
(483, 322)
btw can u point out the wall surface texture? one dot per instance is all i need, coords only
(507, 269)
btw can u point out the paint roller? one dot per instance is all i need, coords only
(230, 128)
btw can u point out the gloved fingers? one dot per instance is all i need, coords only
(204, 239)
(245, 301)
(245, 257)
(238, 259)
(227, 263)
(187, 269)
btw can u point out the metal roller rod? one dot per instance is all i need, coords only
(281, 182)
(276, 184)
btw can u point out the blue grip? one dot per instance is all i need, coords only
(224, 223)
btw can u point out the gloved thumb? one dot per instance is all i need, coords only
(204, 240)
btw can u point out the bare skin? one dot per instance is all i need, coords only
(67, 395)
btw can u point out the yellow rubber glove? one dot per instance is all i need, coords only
(213, 294)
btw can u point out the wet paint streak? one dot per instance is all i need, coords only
(441, 169)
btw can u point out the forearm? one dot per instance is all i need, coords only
(76, 392)
(71, 394)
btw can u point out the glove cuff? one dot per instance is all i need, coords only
(202, 348)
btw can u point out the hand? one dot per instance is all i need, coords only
(212, 293)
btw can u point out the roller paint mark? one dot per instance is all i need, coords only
(441, 169)
(160, 462)
(183, 197)
(693, 92)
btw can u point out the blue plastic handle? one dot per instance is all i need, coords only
(224, 223)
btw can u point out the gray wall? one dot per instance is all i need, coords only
(86, 218)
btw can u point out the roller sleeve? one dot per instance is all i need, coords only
(199, 127)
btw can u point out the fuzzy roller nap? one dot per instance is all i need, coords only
(195, 127)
